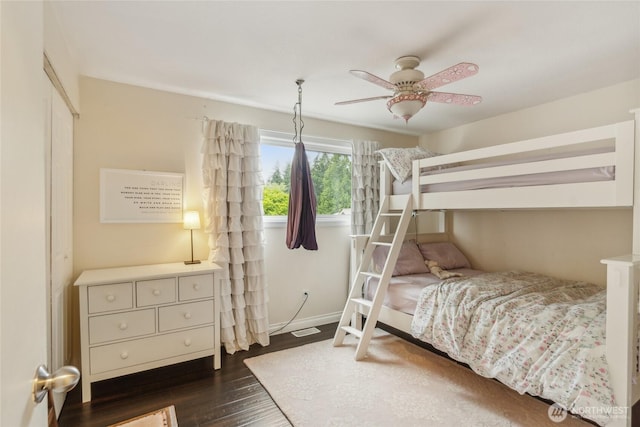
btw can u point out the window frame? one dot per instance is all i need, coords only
(311, 143)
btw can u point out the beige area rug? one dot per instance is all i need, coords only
(398, 384)
(165, 417)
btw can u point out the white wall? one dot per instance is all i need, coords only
(595, 108)
(129, 127)
(324, 273)
(565, 243)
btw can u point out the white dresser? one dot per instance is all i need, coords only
(144, 317)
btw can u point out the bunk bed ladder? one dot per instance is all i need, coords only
(356, 304)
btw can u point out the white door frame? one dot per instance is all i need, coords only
(59, 188)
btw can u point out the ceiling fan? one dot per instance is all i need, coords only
(411, 90)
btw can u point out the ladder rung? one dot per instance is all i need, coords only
(363, 301)
(357, 304)
(388, 235)
(353, 331)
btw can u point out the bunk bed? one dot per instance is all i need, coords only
(589, 168)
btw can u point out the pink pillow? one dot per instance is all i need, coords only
(446, 254)
(410, 260)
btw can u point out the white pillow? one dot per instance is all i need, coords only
(399, 160)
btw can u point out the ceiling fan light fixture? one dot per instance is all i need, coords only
(407, 105)
(411, 89)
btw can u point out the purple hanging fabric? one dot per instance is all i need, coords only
(301, 221)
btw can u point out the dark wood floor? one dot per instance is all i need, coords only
(231, 396)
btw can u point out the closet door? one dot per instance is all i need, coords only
(61, 232)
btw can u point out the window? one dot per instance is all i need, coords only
(330, 163)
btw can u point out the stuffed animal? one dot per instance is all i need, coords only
(437, 271)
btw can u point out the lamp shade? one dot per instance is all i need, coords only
(191, 220)
(406, 105)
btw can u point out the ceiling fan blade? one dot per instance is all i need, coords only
(353, 101)
(451, 74)
(373, 79)
(453, 98)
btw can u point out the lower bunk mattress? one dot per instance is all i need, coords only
(536, 334)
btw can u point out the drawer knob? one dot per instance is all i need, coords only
(187, 315)
(111, 298)
(124, 355)
(156, 292)
(123, 326)
(196, 286)
(187, 342)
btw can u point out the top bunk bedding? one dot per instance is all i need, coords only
(585, 168)
(601, 173)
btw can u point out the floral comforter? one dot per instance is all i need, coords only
(536, 334)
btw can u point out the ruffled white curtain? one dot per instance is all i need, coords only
(233, 220)
(365, 186)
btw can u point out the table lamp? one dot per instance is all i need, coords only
(191, 221)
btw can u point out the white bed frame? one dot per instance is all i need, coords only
(623, 272)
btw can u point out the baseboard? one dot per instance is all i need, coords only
(307, 322)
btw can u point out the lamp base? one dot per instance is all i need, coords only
(192, 262)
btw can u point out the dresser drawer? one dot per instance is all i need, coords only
(156, 291)
(194, 287)
(116, 296)
(117, 326)
(130, 353)
(185, 315)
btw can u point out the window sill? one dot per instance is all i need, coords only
(321, 221)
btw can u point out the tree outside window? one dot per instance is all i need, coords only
(330, 173)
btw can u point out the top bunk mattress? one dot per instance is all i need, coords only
(606, 173)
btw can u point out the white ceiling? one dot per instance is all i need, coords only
(251, 52)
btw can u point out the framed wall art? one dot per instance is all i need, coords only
(135, 196)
